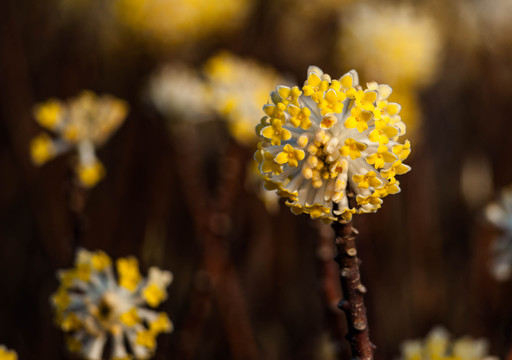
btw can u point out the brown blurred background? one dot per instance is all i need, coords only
(425, 253)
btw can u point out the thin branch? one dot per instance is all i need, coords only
(353, 292)
(211, 216)
(331, 290)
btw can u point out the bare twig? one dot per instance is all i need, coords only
(353, 292)
(217, 275)
(331, 290)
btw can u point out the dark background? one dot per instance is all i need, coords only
(425, 253)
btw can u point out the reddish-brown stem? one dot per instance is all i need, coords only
(235, 317)
(331, 290)
(217, 276)
(353, 292)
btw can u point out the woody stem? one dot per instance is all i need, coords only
(353, 292)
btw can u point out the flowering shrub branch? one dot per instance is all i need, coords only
(353, 292)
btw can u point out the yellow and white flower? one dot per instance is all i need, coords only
(83, 123)
(6, 354)
(92, 306)
(229, 87)
(438, 346)
(331, 147)
(500, 214)
(239, 86)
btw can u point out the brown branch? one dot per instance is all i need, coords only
(235, 317)
(353, 292)
(331, 290)
(217, 275)
(194, 191)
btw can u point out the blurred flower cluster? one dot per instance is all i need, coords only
(239, 87)
(83, 123)
(92, 306)
(332, 141)
(6, 354)
(438, 346)
(399, 44)
(166, 24)
(174, 22)
(229, 88)
(499, 213)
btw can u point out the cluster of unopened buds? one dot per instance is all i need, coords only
(331, 147)
(92, 306)
(84, 123)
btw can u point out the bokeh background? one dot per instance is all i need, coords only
(426, 254)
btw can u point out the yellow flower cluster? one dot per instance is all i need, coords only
(438, 346)
(92, 306)
(239, 87)
(231, 88)
(6, 354)
(84, 122)
(393, 43)
(331, 147)
(174, 22)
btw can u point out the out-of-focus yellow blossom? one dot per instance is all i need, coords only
(174, 22)
(342, 156)
(231, 89)
(239, 87)
(438, 346)
(6, 354)
(180, 93)
(392, 43)
(92, 306)
(499, 213)
(83, 123)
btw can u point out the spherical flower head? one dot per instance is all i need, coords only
(438, 346)
(83, 123)
(499, 213)
(6, 354)
(331, 147)
(239, 86)
(392, 42)
(92, 306)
